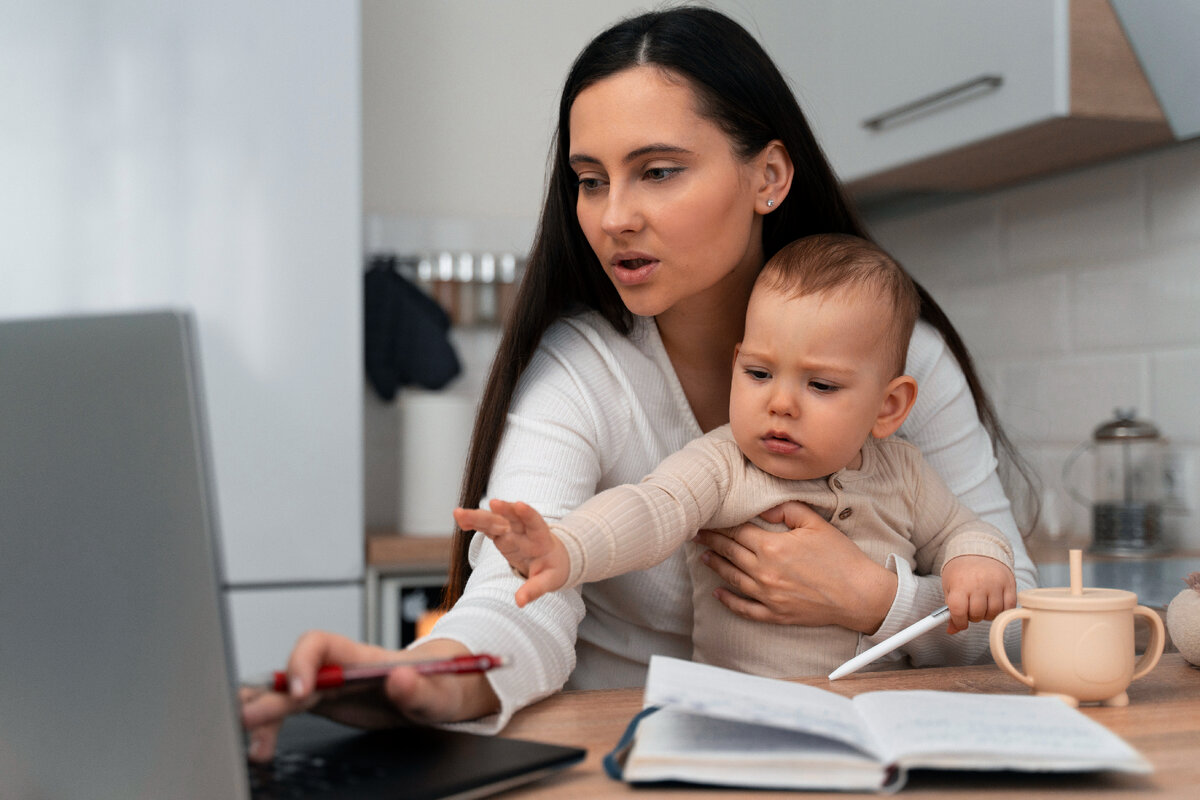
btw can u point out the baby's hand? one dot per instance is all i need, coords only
(523, 537)
(976, 588)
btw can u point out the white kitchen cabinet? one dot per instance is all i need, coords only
(955, 95)
(927, 76)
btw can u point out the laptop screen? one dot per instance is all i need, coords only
(117, 670)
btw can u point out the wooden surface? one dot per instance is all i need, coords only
(1106, 78)
(1162, 721)
(388, 550)
(1045, 551)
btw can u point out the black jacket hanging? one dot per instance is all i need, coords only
(406, 338)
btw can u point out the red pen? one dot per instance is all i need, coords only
(332, 676)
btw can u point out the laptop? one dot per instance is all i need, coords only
(116, 668)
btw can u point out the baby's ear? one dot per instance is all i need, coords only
(898, 400)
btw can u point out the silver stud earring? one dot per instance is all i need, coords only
(771, 203)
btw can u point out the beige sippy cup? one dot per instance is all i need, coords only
(1078, 643)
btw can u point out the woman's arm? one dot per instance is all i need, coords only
(812, 575)
(564, 425)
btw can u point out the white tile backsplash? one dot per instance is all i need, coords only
(1175, 387)
(1174, 200)
(1060, 402)
(972, 255)
(1152, 301)
(1075, 218)
(1023, 317)
(1076, 294)
(1064, 517)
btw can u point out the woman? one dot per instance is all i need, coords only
(681, 163)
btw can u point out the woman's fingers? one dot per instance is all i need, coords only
(746, 607)
(263, 713)
(742, 546)
(732, 575)
(793, 514)
(728, 545)
(439, 698)
(811, 574)
(317, 648)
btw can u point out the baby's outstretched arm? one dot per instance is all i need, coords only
(976, 588)
(523, 537)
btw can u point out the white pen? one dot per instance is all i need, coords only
(891, 643)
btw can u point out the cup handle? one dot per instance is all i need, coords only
(996, 638)
(1154, 649)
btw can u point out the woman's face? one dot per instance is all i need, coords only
(666, 205)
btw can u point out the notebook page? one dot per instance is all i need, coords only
(728, 694)
(957, 729)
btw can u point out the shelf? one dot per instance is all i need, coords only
(390, 550)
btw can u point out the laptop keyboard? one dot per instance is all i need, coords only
(293, 775)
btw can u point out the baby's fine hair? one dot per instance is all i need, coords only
(837, 262)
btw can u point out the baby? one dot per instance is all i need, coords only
(818, 389)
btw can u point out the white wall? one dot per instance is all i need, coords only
(460, 104)
(1077, 294)
(206, 154)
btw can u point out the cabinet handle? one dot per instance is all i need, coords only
(927, 105)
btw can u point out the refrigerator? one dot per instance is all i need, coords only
(205, 154)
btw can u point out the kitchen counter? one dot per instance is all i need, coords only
(1155, 577)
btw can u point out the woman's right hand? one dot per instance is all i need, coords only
(813, 575)
(404, 696)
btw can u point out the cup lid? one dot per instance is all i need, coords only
(1059, 598)
(1125, 426)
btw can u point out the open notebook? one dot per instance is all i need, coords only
(114, 648)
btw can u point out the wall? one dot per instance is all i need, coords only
(461, 101)
(1076, 294)
(439, 80)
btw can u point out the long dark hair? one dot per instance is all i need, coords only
(740, 89)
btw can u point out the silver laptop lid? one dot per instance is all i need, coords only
(114, 663)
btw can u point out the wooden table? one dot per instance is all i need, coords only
(1162, 721)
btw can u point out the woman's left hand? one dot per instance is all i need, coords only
(812, 575)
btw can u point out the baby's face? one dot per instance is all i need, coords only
(809, 380)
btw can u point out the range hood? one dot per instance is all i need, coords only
(1163, 35)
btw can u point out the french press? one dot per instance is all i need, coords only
(1129, 479)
